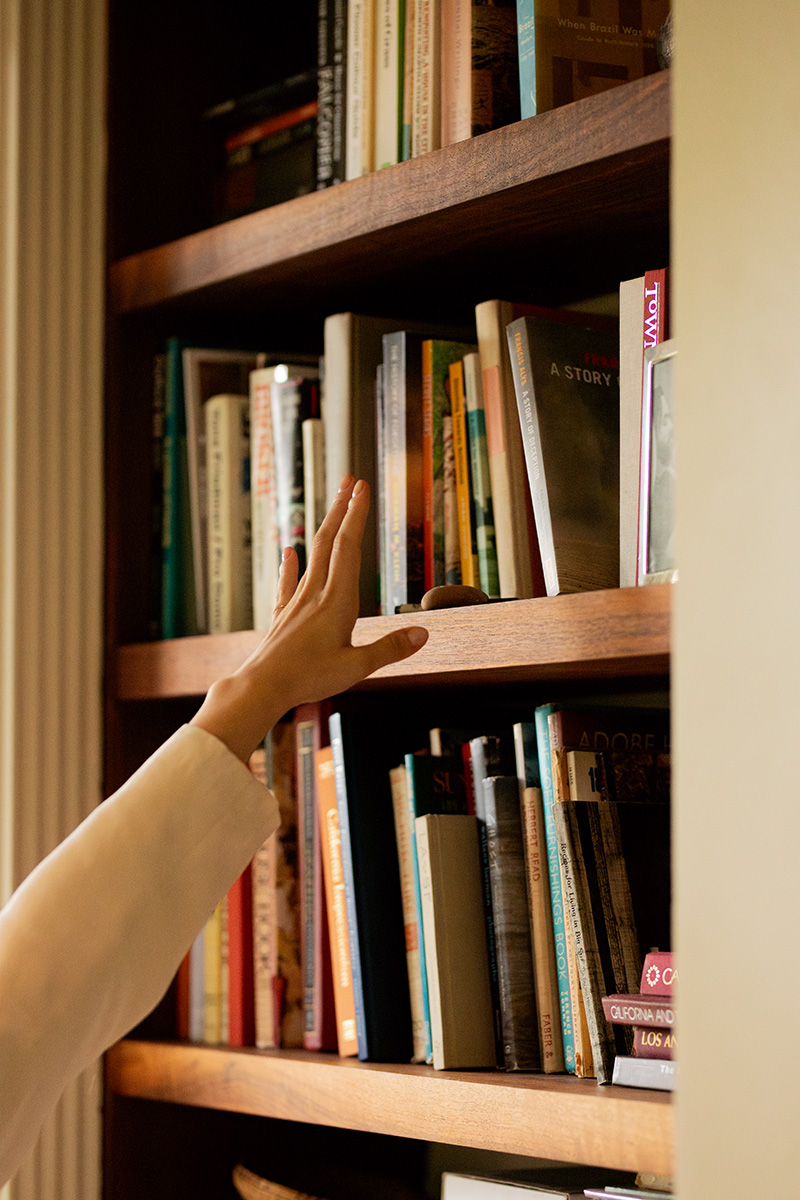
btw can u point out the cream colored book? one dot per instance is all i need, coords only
(230, 589)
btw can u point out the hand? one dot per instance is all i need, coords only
(308, 653)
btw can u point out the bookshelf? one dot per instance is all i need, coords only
(560, 206)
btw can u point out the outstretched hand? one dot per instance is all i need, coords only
(308, 653)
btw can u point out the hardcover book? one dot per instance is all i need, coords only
(456, 962)
(655, 1073)
(480, 478)
(403, 468)
(566, 378)
(229, 559)
(293, 402)
(372, 887)
(480, 68)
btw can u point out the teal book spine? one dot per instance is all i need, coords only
(178, 610)
(554, 866)
(526, 44)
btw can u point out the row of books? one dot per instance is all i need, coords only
(504, 456)
(526, 869)
(398, 79)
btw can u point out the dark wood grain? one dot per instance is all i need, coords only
(581, 172)
(591, 635)
(557, 1117)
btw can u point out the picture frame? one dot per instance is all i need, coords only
(656, 549)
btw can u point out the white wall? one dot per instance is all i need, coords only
(736, 270)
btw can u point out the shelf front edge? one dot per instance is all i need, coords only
(625, 632)
(557, 1117)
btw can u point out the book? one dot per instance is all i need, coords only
(437, 356)
(652, 1011)
(319, 1019)
(155, 561)
(426, 120)
(541, 927)
(205, 372)
(276, 909)
(333, 877)
(278, 166)
(480, 68)
(230, 584)
(389, 76)
(566, 378)
(480, 478)
(656, 1073)
(518, 561)
(214, 1023)
(197, 988)
(372, 886)
(642, 324)
(456, 961)
(403, 468)
(566, 54)
(468, 551)
(434, 784)
(179, 592)
(653, 1043)
(546, 1183)
(331, 89)
(512, 934)
(353, 349)
(659, 974)
(293, 402)
(540, 732)
(313, 443)
(266, 541)
(398, 780)
(359, 93)
(628, 736)
(241, 984)
(408, 80)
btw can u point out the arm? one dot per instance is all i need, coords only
(92, 938)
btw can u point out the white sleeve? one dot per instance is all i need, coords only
(91, 940)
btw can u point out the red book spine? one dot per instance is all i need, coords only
(653, 1043)
(241, 992)
(659, 977)
(652, 1011)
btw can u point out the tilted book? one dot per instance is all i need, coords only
(566, 378)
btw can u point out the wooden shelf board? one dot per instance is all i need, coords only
(590, 635)
(557, 1117)
(598, 165)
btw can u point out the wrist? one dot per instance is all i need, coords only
(238, 710)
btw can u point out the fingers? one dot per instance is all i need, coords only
(287, 580)
(345, 560)
(319, 559)
(392, 648)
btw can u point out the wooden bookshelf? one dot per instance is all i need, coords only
(558, 207)
(559, 1117)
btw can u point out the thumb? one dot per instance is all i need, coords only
(392, 648)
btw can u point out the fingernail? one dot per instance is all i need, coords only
(417, 636)
(347, 484)
(359, 487)
(285, 555)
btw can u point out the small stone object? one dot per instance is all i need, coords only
(453, 595)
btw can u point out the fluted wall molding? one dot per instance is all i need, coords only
(52, 175)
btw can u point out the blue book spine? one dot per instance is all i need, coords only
(340, 779)
(554, 867)
(526, 43)
(412, 814)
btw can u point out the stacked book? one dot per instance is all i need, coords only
(649, 1016)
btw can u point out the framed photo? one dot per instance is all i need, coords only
(657, 467)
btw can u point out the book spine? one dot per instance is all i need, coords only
(434, 1019)
(157, 495)
(412, 812)
(307, 871)
(452, 542)
(212, 973)
(178, 607)
(554, 872)
(426, 121)
(398, 777)
(197, 988)
(511, 924)
(653, 1043)
(408, 81)
(482, 507)
(463, 496)
(456, 71)
(402, 374)
(265, 944)
(506, 460)
(241, 1016)
(266, 552)
(325, 70)
(526, 44)
(584, 934)
(345, 841)
(359, 100)
(639, 1010)
(519, 351)
(229, 514)
(542, 941)
(429, 481)
(313, 440)
(333, 875)
(293, 401)
(644, 1073)
(389, 47)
